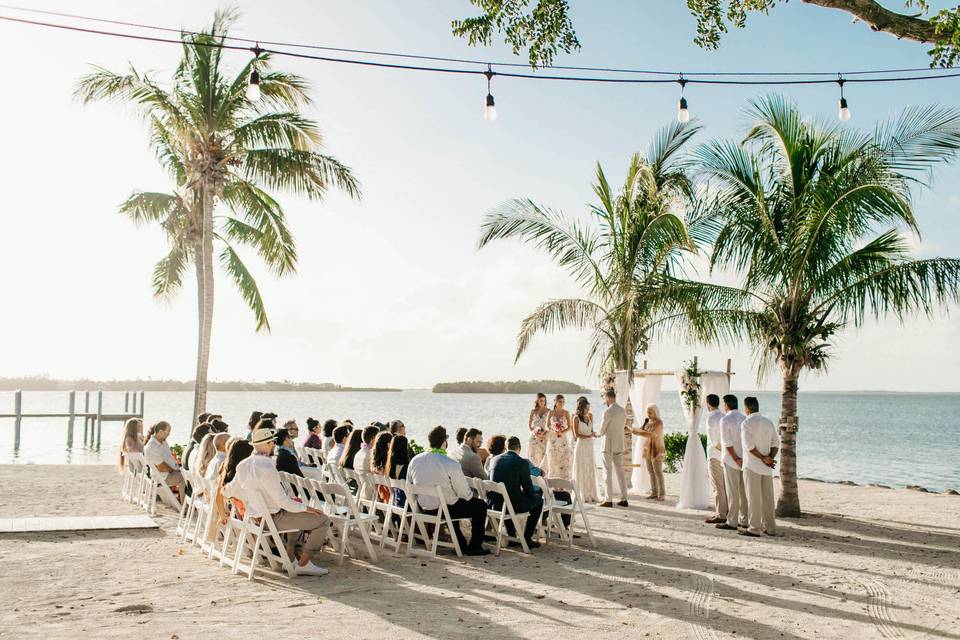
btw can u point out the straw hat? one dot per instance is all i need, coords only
(261, 436)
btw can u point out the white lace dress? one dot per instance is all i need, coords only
(585, 464)
(537, 445)
(559, 451)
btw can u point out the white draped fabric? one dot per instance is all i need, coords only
(695, 476)
(645, 391)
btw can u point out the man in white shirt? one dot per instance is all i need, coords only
(361, 461)
(760, 445)
(157, 452)
(257, 484)
(715, 460)
(435, 468)
(733, 465)
(466, 454)
(340, 435)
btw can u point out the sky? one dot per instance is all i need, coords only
(391, 290)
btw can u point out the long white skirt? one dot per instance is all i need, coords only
(585, 470)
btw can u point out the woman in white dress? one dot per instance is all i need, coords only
(584, 459)
(559, 451)
(537, 424)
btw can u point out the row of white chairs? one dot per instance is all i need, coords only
(143, 484)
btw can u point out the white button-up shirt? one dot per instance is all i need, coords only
(758, 432)
(213, 469)
(156, 452)
(257, 484)
(730, 437)
(434, 469)
(714, 451)
(361, 461)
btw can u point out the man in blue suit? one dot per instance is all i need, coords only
(514, 472)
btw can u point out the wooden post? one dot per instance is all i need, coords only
(86, 418)
(17, 421)
(644, 364)
(73, 410)
(729, 370)
(141, 405)
(134, 408)
(126, 402)
(99, 415)
(694, 362)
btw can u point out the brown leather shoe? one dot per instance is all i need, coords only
(606, 504)
(715, 520)
(748, 533)
(623, 503)
(724, 525)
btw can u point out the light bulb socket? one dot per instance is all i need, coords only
(843, 103)
(683, 104)
(490, 100)
(254, 77)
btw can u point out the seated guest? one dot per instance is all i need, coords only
(258, 475)
(398, 459)
(157, 452)
(352, 448)
(347, 423)
(218, 425)
(211, 468)
(433, 468)
(378, 461)
(252, 422)
(328, 441)
(461, 433)
(514, 472)
(203, 454)
(203, 417)
(286, 454)
(237, 450)
(340, 436)
(496, 445)
(190, 453)
(466, 454)
(361, 461)
(292, 428)
(397, 428)
(313, 439)
(132, 439)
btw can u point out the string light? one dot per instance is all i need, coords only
(490, 109)
(844, 113)
(253, 86)
(683, 115)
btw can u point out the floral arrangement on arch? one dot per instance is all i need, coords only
(690, 385)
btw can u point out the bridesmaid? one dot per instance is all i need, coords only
(559, 451)
(584, 459)
(537, 424)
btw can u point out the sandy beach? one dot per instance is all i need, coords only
(866, 562)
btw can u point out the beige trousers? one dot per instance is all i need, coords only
(760, 501)
(719, 489)
(655, 469)
(736, 497)
(613, 466)
(317, 525)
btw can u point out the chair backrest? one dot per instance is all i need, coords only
(133, 462)
(478, 484)
(489, 486)
(413, 491)
(562, 484)
(314, 456)
(289, 482)
(337, 494)
(541, 482)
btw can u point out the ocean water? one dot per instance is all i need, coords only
(870, 437)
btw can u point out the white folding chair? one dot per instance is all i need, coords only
(188, 506)
(552, 517)
(157, 488)
(315, 457)
(499, 518)
(476, 484)
(396, 519)
(259, 533)
(133, 475)
(337, 496)
(573, 509)
(421, 520)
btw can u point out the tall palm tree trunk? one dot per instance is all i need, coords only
(200, 398)
(205, 301)
(788, 505)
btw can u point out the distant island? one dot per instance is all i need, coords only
(43, 383)
(517, 386)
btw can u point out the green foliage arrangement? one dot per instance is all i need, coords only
(676, 445)
(415, 448)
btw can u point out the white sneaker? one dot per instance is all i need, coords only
(310, 569)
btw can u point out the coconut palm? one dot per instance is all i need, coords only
(222, 150)
(813, 216)
(624, 262)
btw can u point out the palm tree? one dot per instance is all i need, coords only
(625, 264)
(221, 148)
(813, 216)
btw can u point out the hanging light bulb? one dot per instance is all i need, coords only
(844, 113)
(683, 115)
(490, 110)
(253, 85)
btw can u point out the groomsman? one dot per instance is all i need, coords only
(715, 458)
(760, 445)
(732, 445)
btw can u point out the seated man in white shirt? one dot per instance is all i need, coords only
(340, 435)
(733, 465)
(157, 452)
(466, 454)
(760, 445)
(361, 462)
(715, 460)
(257, 484)
(433, 468)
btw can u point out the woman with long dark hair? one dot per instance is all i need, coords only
(584, 458)
(537, 425)
(398, 459)
(237, 452)
(353, 447)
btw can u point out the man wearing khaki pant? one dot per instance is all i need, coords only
(611, 430)
(760, 443)
(715, 458)
(732, 445)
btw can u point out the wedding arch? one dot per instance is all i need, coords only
(695, 386)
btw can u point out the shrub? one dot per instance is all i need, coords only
(676, 445)
(414, 447)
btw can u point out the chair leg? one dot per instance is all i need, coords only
(343, 543)
(365, 534)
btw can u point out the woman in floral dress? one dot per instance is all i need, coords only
(559, 450)
(537, 424)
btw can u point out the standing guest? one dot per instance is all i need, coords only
(715, 457)
(286, 453)
(314, 440)
(258, 475)
(361, 462)
(760, 445)
(210, 470)
(434, 467)
(732, 443)
(497, 446)
(466, 454)
(584, 457)
(352, 448)
(559, 451)
(157, 452)
(612, 432)
(398, 459)
(132, 439)
(218, 425)
(537, 425)
(653, 430)
(340, 436)
(252, 423)
(329, 426)
(292, 428)
(461, 434)
(514, 472)
(397, 428)
(189, 454)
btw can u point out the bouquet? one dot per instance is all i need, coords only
(558, 427)
(690, 385)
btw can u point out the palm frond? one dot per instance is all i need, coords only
(231, 263)
(558, 315)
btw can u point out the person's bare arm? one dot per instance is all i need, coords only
(733, 454)
(163, 466)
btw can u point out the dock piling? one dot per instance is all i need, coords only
(18, 420)
(73, 411)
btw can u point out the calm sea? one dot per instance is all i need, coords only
(889, 438)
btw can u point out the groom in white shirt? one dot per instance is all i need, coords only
(760, 445)
(732, 446)
(715, 458)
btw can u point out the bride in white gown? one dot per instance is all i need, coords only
(584, 458)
